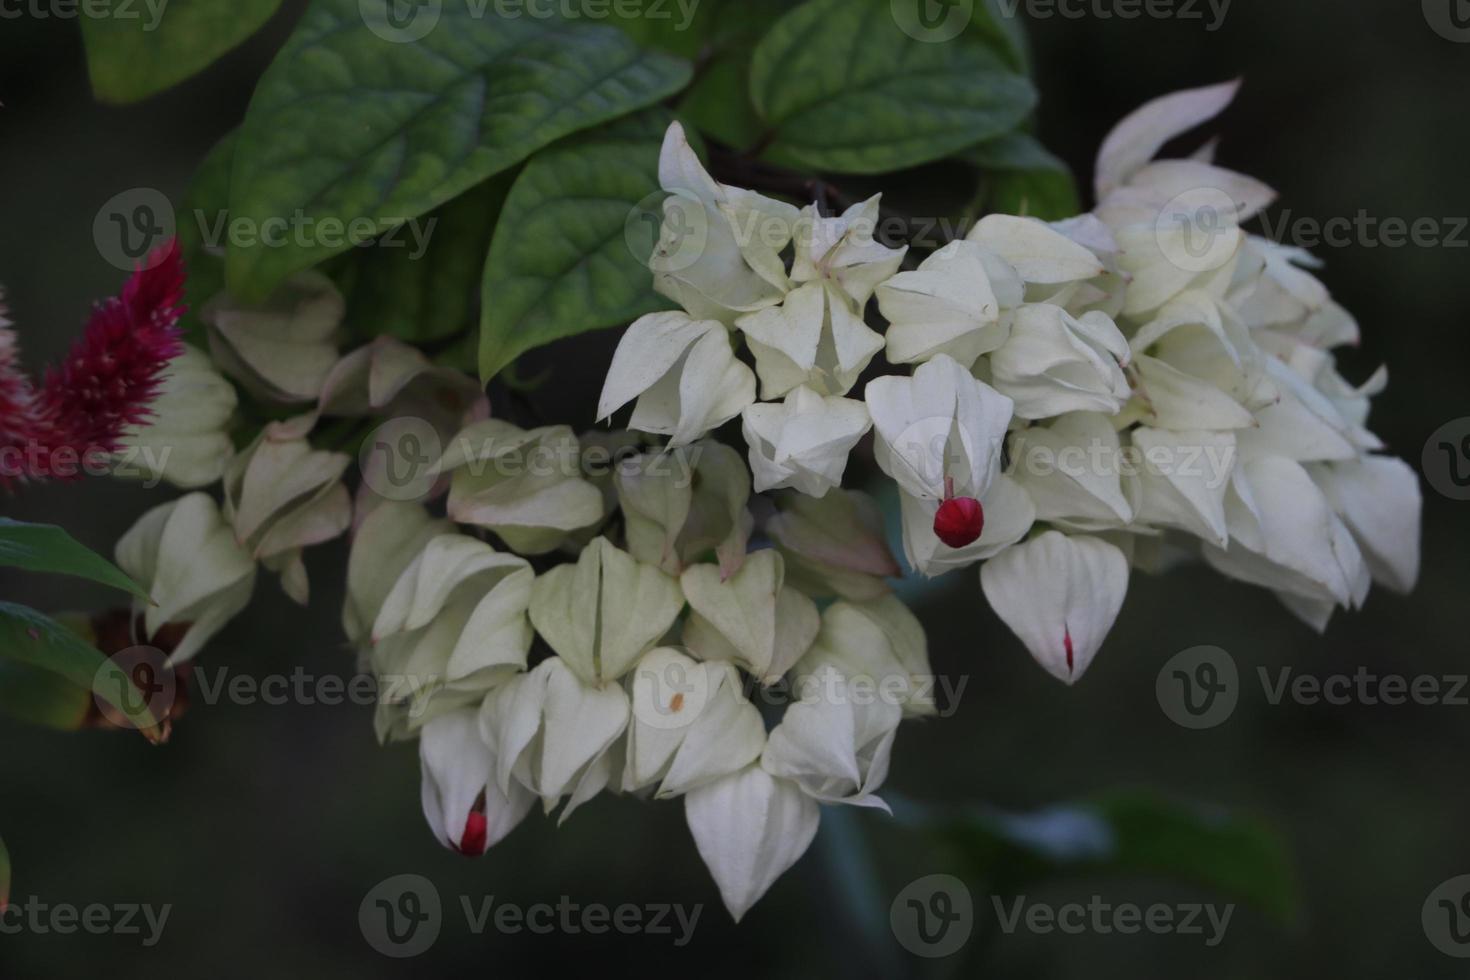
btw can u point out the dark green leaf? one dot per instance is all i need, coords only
(1122, 833)
(844, 87)
(30, 639)
(1046, 194)
(679, 27)
(569, 253)
(1023, 177)
(48, 548)
(421, 283)
(718, 103)
(136, 48)
(39, 697)
(351, 133)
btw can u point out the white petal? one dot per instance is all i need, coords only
(1380, 499)
(1035, 250)
(750, 828)
(1060, 595)
(1135, 140)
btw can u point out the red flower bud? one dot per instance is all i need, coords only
(959, 521)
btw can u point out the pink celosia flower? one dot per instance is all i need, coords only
(104, 385)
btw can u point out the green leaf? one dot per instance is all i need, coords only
(137, 48)
(564, 257)
(844, 88)
(39, 697)
(1023, 177)
(421, 283)
(31, 639)
(48, 548)
(718, 103)
(679, 27)
(350, 133)
(1122, 833)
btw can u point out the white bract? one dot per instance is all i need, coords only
(803, 443)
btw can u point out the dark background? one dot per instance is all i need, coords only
(265, 826)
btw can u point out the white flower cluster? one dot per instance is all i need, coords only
(1120, 390)
(198, 558)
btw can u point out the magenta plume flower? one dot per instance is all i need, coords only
(105, 384)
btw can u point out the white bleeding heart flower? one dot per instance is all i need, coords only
(845, 251)
(185, 556)
(282, 496)
(1072, 470)
(1285, 536)
(750, 827)
(1039, 253)
(462, 802)
(833, 545)
(555, 734)
(453, 627)
(281, 350)
(691, 724)
(939, 433)
(603, 612)
(1060, 595)
(1379, 499)
(387, 540)
(683, 373)
(718, 254)
(186, 440)
(816, 337)
(880, 645)
(1004, 514)
(1181, 480)
(677, 505)
(835, 741)
(753, 618)
(526, 486)
(1055, 363)
(954, 303)
(804, 442)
